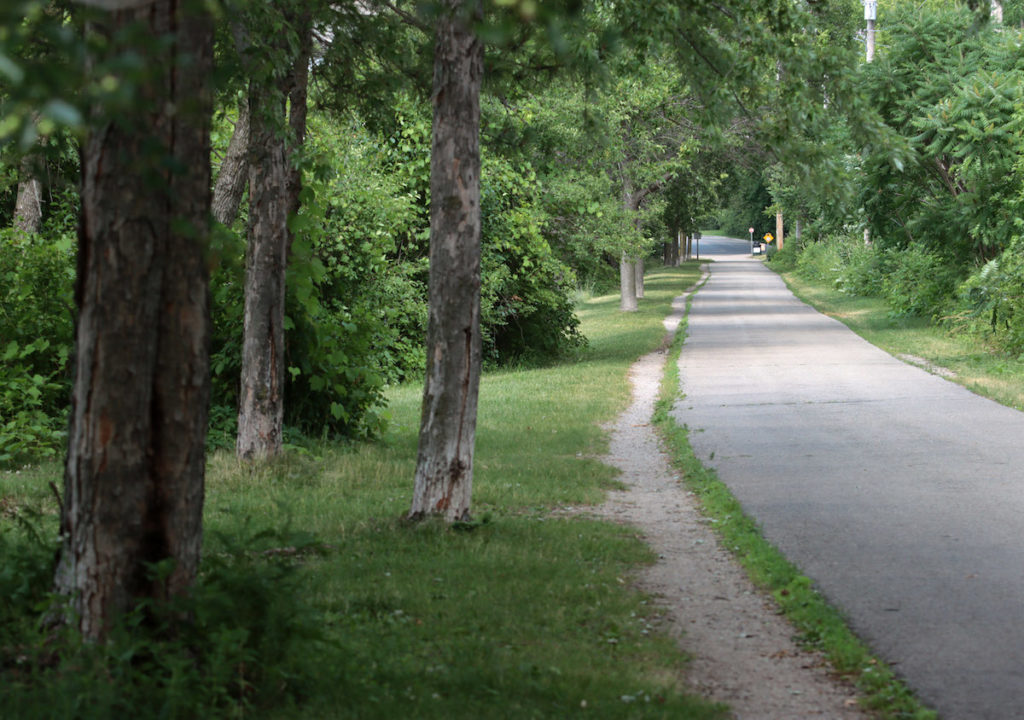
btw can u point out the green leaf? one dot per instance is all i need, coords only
(337, 411)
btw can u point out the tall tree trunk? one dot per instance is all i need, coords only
(234, 171)
(627, 285)
(298, 90)
(275, 182)
(133, 485)
(444, 465)
(632, 287)
(261, 401)
(28, 208)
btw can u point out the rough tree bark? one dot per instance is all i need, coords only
(444, 466)
(298, 91)
(133, 486)
(631, 270)
(234, 171)
(627, 285)
(261, 400)
(28, 208)
(274, 186)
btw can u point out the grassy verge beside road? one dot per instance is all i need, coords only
(972, 363)
(318, 600)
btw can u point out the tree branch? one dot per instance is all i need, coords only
(407, 17)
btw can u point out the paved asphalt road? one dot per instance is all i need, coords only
(899, 493)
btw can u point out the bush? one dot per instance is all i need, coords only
(250, 641)
(783, 260)
(991, 301)
(821, 261)
(355, 305)
(526, 308)
(864, 267)
(37, 328)
(917, 282)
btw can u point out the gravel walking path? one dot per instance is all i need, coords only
(742, 648)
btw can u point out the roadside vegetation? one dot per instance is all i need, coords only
(917, 198)
(951, 342)
(317, 600)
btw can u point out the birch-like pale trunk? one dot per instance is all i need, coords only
(444, 465)
(627, 285)
(28, 207)
(233, 177)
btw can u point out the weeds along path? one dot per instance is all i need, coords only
(742, 649)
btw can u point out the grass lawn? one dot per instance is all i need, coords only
(346, 611)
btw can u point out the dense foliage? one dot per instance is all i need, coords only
(36, 327)
(929, 160)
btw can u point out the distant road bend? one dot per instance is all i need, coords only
(899, 493)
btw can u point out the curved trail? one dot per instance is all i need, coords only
(742, 648)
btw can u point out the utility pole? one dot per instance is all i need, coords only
(778, 215)
(870, 13)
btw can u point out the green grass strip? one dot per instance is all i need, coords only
(820, 625)
(975, 364)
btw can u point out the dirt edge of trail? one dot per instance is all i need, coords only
(743, 650)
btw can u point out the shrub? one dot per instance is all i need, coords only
(991, 301)
(864, 267)
(820, 261)
(250, 640)
(918, 282)
(36, 328)
(526, 308)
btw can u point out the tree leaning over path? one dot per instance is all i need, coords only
(444, 465)
(133, 487)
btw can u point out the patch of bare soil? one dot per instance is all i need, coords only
(742, 648)
(928, 365)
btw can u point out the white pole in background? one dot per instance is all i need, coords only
(870, 13)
